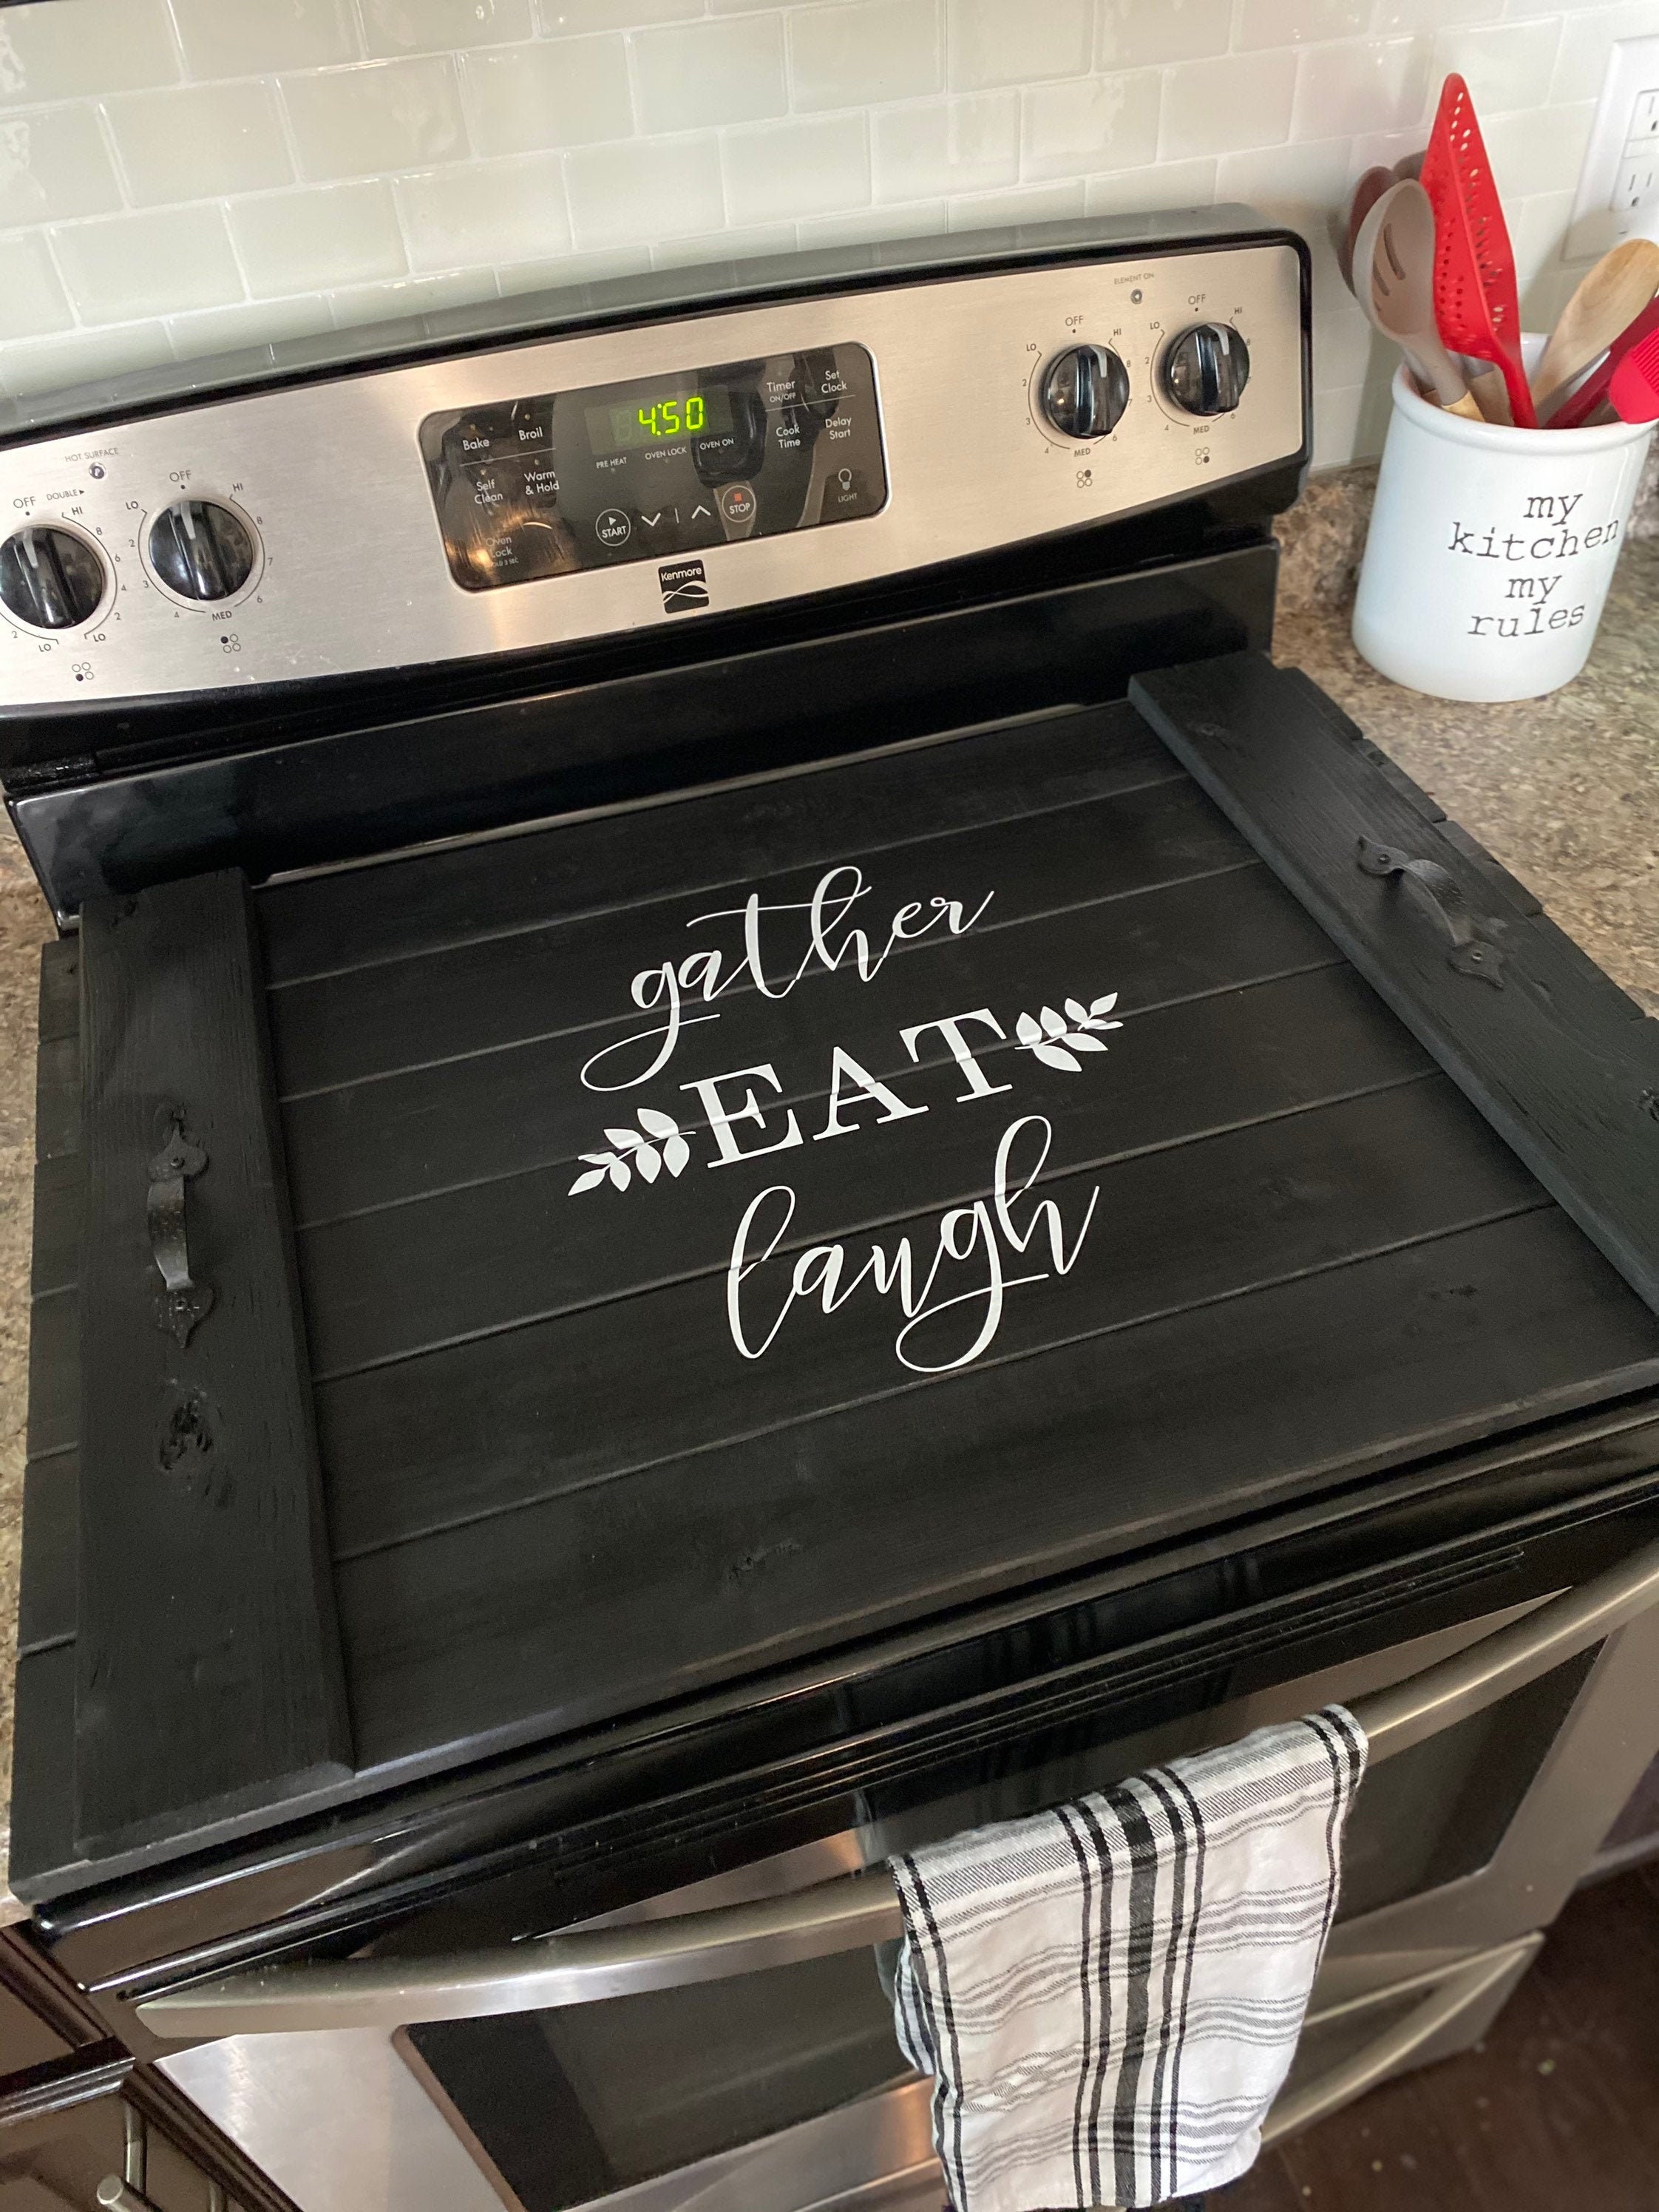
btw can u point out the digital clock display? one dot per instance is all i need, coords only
(659, 418)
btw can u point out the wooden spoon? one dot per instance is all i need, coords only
(1606, 302)
(1394, 282)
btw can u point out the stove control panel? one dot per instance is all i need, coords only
(608, 481)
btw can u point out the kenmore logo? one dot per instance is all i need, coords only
(683, 585)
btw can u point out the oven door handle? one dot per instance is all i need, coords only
(583, 1964)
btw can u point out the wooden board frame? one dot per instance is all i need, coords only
(209, 1671)
(1562, 1063)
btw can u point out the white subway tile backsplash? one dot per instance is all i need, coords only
(873, 226)
(418, 27)
(691, 77)
(54, 164)
(1218, 106)
(1005, 42)
(1080, 124)
(1540, 151)
(861, 55)
(45, 53)
(570, 92)
(644, 191)
(1356, 86)
(1582, 59)
(1029, 203)
(814, 166)
(246, 323)
(962, 145)
(1508, 65)
(76, 357)
(344, 159)
(126, 266)
(410, 295)
(242, 38)
(377, 116)
(1293, 23)
(562, 19)
(197, 142)
(485, 212)
(32, 298)
(335, 234)
(1131, 33)
(1141, 191)
(732, 245)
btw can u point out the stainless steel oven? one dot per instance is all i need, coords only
(489, 1607)
(728, 2046)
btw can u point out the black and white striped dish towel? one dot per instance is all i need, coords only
(1108, 1995)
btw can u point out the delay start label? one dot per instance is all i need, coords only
(1541, 569)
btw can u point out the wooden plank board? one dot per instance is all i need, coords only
(1560, 1060)
(491, 1424)
(208, 1665)
(620, 1594)
(403, 1278)
(363, 916)
(461, 1119)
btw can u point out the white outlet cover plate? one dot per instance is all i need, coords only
(1632, 70)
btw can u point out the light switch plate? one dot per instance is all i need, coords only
(1618, 184)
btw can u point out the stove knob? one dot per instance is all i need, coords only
(1206, 369)
(1083, 391)
(51, 579)
(201, 550)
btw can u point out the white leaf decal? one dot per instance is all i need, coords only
(1082, 1043)
(1077, 1012)
(586, 1180)
(1104, 1006)
(1105, 1025)
(625, 1139)
(648, 1159)
(676, 1153)
(1027, 1030)
(599, 1159)
(617, 1172)
(659, 1123)
(1055, 1056)
(1052, 1023)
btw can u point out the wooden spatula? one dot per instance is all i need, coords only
(1607, 301)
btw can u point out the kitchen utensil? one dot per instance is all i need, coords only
(1408, 169)
(1634, 390)
(1394, 282)
(1622, 282)
(1366, 193)
(1580, 405)
(1474, 296)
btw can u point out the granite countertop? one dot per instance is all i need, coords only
(1565, 791)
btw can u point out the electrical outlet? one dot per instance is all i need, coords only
(1618, 184)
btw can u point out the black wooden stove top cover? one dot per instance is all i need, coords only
(732, 1227)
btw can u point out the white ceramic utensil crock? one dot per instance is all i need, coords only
(1490, 550)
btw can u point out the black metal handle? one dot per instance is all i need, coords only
(1472, 952)
(184, 1301)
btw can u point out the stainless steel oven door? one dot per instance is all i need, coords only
(730, 2046)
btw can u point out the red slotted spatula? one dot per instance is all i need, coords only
(1474, 295)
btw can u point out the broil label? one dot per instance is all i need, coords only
(683, 586)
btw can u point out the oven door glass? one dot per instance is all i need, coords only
(658, 2097)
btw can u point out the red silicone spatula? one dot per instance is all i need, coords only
(1634, 390)
(1581, 404)
(1474, 296)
